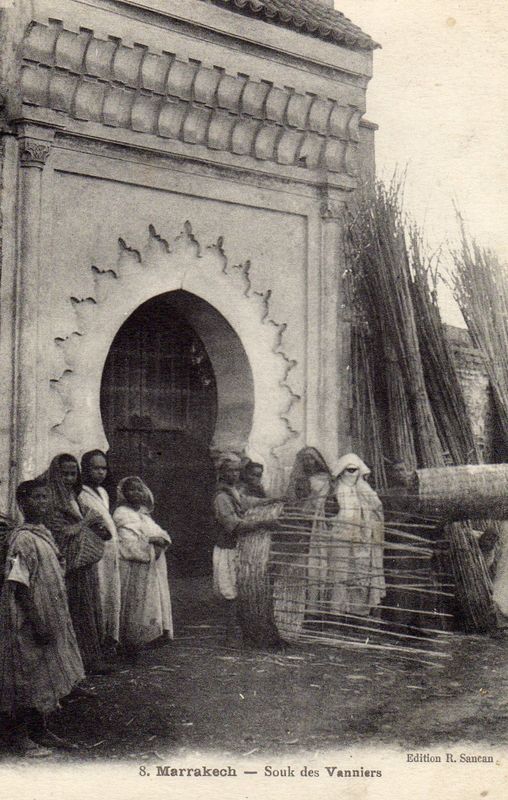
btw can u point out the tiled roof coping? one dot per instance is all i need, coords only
(307, 16)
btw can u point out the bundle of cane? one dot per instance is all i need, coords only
(386, 269)
(378, 235)
(455, 431)
(480, 286)
(443, 384)
(473, 491)
(367, 431)
(399, 428)
(382, 276)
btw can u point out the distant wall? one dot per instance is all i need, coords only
(476, 388)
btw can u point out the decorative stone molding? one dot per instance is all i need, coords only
(34, 153)
(145, 270)
(166, 95)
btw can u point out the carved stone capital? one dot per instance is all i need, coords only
(33, 153)
(330, 208)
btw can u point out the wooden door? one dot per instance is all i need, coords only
(159, 406)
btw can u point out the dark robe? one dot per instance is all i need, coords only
(82, 549)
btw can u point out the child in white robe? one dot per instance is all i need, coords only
(145, 614)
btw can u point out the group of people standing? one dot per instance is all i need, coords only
(342, 562)
(83, 585)
(345, 560)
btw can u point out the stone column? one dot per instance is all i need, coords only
(335, 346)
(33, 153)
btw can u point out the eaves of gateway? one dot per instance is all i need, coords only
(98, 76)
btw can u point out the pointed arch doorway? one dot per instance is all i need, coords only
(176, 384)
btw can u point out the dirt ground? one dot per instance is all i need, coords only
(195, 695)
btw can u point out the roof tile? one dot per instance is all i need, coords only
(307, 16)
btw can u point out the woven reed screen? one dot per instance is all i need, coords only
(311, 581)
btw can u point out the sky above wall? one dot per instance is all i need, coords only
(439, 96)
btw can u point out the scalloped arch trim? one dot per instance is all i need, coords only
(151, 268)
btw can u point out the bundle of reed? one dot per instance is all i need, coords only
(399, 429)
(392, 292)
(480, 287)
(464, 492)
(367, 433)
(443, 385)
(378, 240)
(474, 588)
(381, 422)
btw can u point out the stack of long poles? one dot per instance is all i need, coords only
(424, 420)
(480, 284)
(443, 385)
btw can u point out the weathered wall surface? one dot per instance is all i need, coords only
(476, 388)
(367, 161)
(153, 149)
(124, 244)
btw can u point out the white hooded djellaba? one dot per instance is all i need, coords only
(355, 558)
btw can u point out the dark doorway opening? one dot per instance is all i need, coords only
(159, 411)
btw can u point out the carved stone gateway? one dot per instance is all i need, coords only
(261, 369)
(188, 152)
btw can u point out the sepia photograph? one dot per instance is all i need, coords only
(253, 399)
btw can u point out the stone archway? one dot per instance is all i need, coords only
(233, 322)
(232, 371)
(175, 383)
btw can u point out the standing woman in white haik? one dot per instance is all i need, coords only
(355, 560)
(94, 470)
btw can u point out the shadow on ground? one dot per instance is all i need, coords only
(196, 695)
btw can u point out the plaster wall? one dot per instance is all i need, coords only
(115, 244)
(153, 149)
